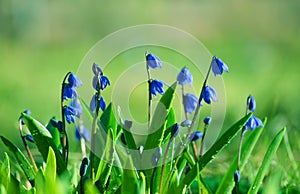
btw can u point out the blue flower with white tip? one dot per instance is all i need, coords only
(209, 94)
(185, 76)
(253, 123)
(156, 87)
(153, 61)
(218, 66)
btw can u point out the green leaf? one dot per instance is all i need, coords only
(21, 159)
(5, 172)
(50, 171)
(43, 141)
(129, 139)
(108, 120)
(227, 183)
(131, 182)
(54, 132)
(159, 120)
(213, 151)
(266, 162)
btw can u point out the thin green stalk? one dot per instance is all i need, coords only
(150, 96)
(163, 166)
(64, 142)
(94, 131)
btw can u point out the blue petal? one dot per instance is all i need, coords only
(104, 82)
(207, 120)
(96, 69)
(156, 86)
(251, 103)
(74, 81)
(186, 123)
(69, 114)
(185, 76)
(69, 91)
(153, 61)
(218, 66)
(93, 103)
(86, 134)
(190, 102)
(213, 94)
(195, 136)
(77, 107)
(102, 104)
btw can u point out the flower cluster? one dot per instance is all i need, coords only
(156, 86)
(100, 82)
(254, 121)
(69, 93)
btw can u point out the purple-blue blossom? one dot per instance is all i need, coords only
(70, 114)
(94, 102)
(153, 61)
(207, 120)
(104, 82)
(85, 134)
(253, 123)
(209, 94)
(251, 103)
(185, 76)
(156, 87)
(195, 136)
(74, 81)
(190, 102)
(218, 66)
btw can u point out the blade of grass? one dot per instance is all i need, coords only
(227, 183)
(213, 151)
(266, 162)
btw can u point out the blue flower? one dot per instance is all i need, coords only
(104, 81)
(207, 120)
(70, 114)
(69, 92)
(97, 69)
(186, 123)
(29, 138)
(209, 93)
(190, 102)
(153, 61)
(218, 66)
(85, 134)
(195, 136)
(237, 176)
(74, 81)
(253, 123)
(251, 104)
(185, 76)
(156, 86)
(77, 107)
(94, 101)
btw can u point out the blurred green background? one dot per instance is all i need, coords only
(259, 40)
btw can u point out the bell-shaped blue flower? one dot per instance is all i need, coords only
(195, 136)
(207, 120)
(85, 134)
(74, 81)
(185, 76)
(190, 102)
(153, 61)
(253, 123)
(94, 101)
(251, 104)
(186, 123)
(77, 107)
(97, 69)
(156, 86)
(69, 114)
(69, 92)
(218, 66)
(104, 82)
(208, 94)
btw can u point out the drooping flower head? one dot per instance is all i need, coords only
(69, 91)
(251, 103)
(153, 61)
(185, 76)
(190, 102)
(195, 136)
(70, 114)
(207, 120)
(218, 66)
(253, 123)
(77, 107)
(85, 134)
(209, 94)
(94, 102)
(156, 86)
(98, 76)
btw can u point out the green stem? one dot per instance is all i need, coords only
(94, 124)
(163, 166)
(64, 141)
